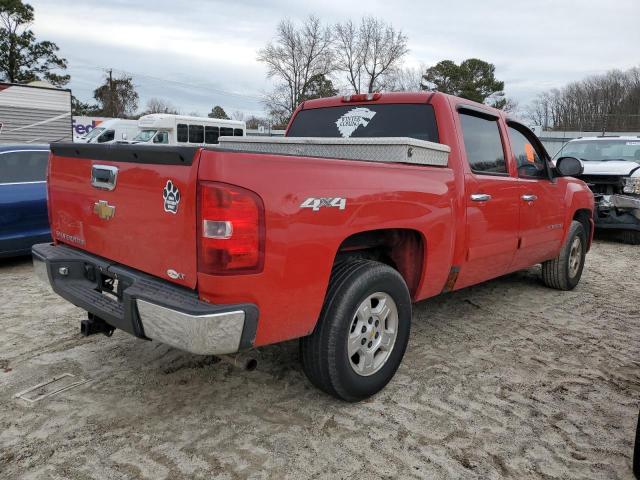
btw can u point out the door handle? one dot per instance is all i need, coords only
(480, 197)
(529, 198)
(104, 177)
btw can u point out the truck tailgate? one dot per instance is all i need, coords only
(134, 205)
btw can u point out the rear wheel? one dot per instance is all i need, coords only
(632, 237)
(362, 332)
(564, 271)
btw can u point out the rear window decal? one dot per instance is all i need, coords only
(350, 121)
(633, 143)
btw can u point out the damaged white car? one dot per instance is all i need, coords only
(612, 171)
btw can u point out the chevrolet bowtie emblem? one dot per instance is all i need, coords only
(104, 210)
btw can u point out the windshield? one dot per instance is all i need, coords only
(367, 120)
(602, 150)
(144, 136)
(94, 133)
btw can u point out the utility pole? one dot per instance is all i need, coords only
(111, 113)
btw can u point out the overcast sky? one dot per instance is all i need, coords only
(200, 53)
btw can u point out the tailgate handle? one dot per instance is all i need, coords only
(104, 176)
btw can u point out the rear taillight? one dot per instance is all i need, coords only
(361, 97)
(230, 230)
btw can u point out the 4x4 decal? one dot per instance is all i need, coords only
(317, 203)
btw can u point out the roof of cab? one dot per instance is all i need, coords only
(397, 97)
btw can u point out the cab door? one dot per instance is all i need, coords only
(542, 211)
(491, 198)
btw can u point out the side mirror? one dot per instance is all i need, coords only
(569, 167)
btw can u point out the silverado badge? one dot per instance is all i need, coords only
(171, 196)
(104, 210)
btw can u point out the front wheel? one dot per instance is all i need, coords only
(564, 271)
(362, 333)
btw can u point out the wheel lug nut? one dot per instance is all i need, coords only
(377, 322)
(364, 329)
(364, 340)
(370, 343)
(377, 334)
(370, 320)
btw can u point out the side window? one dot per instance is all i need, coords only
(237, 132)
(161, 137)
(196, 134)
(17, 167)
(226, 132)
(211, 134)
(107, 136)
(483, 144)
(182, 133)
(530, 161)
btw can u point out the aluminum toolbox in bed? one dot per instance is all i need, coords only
(380, 149)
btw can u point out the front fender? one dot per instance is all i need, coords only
(578, 197)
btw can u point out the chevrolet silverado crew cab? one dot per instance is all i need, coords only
(370, 203)
(612, 171)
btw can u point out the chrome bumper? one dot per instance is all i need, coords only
(211, 334)
(147, 307)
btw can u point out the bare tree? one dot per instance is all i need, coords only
(406, 79)
(159, 105)
(254, 122)
(369, 53)
(237, 115)
(297, 54)
(607, 102)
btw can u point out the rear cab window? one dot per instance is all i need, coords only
(23, 166)
(483, 144)
(367, 120)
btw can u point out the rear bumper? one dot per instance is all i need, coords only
(144, 305)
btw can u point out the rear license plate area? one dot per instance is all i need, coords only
(110, 287)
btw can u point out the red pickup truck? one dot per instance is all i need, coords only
(370, 202)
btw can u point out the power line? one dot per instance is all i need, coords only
(203, 87)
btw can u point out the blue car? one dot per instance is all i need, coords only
(24, 220)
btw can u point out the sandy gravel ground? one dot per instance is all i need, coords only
(504, 380)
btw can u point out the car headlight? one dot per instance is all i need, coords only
(632, 185)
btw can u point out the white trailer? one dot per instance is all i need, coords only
(34, 113)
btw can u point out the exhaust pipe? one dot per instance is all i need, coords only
(243, 360)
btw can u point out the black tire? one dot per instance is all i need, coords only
(632, 237)
(324, 353)
(556, 273)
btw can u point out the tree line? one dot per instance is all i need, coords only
(608, 102)
(311, 60)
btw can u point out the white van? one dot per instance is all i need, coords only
(112, 131)
(168, 129)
